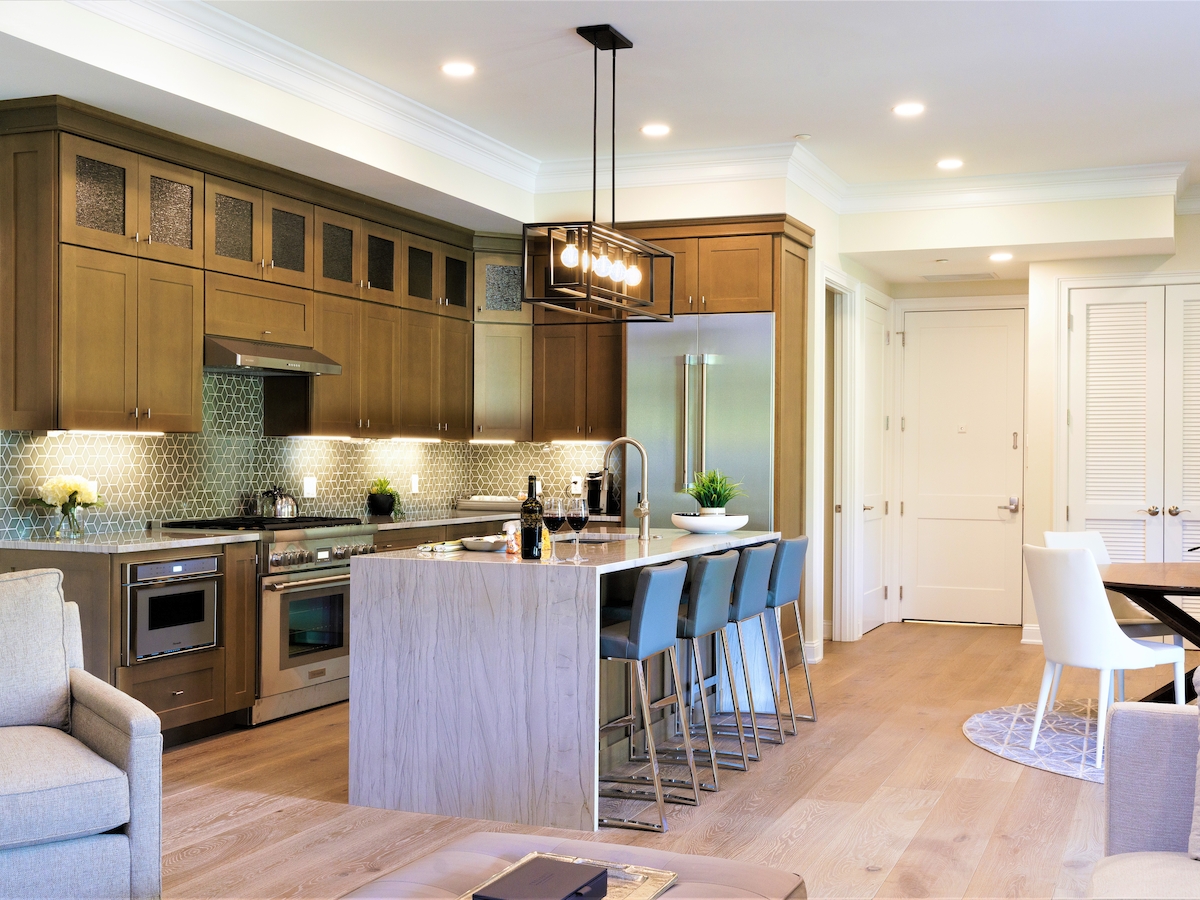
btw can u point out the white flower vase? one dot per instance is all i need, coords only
(70, 525)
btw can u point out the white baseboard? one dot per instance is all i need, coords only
(828, 630)
(814, 651)
(1031, 634)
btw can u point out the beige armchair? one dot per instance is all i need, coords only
(80, 762)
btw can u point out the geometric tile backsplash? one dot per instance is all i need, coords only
(230, 462)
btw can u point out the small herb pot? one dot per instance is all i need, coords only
(712, 510)
(381, 504)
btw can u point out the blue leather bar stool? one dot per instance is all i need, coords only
(704, 614)
(784, 590)
(749, 601)
(649, 632)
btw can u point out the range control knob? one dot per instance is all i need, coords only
(307, 556)
(340, 553)
(290, 557)
(276, 559)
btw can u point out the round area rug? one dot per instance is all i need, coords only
(1066, 743)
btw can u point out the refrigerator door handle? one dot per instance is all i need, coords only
(705, 358)
(686, 455)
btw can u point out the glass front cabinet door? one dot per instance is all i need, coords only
(438, 278)
(119, 201)
(287, 241)
(233, 228)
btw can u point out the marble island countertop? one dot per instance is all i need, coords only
(665, 545)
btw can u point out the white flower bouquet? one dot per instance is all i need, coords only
(68, 494)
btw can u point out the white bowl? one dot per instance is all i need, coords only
(488, 543)
(698, 524)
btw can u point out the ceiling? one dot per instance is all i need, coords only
(1009, 87)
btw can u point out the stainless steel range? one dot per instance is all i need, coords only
(303, 607)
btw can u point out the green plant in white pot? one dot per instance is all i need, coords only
(713, 491)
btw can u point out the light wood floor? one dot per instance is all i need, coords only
(883, 797)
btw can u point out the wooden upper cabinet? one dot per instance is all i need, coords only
(381, 348)
(455, 378)
(605, 381)
(687, 279)
(559, 382)
(735, 273)
(503, 408)
(498, 291)
(288, 240)
(419, 407)
(258, 311)
(438, 278)
(28, 282)
(99, 337)
(338, 247)
(382, 267)
(115, 200)
(336, 400)
(233, 228)
(170, 347)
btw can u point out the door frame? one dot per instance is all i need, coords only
(946, 304)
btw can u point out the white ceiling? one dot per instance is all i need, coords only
(1010, 87)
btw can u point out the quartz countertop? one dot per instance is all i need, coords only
(466, 517)
(665, 545)
(132, 541)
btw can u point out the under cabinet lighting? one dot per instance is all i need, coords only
(411, 440)
(491, 441)
(578, 443)
(91, 432)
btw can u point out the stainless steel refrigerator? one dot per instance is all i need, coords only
(701, 395)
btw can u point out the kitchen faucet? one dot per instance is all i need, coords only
(642, 512)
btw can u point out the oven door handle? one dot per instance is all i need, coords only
(292, 585)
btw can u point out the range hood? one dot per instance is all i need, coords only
(237, 357)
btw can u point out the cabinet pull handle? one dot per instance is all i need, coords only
(176, 693)
(272, 264)
(137, 237)
(704, 301)
(480, 429)
(578, 429)
(135, 412)
(368, 423)
(147, 413)
(149, 238)
(266, 332)
(360, 423)
(262, 263)
(368, 284)
(689, 299)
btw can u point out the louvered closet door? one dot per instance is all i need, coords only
(1116, 433)
(1181, 427)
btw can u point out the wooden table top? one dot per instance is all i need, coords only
(1171, 578)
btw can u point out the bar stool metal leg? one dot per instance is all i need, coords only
(812, 704)
(783, 664)
(657, 796)
(723, 638)
(757, 754)
(711, 751)
(687, 740)
(762, 626)
(725, 759)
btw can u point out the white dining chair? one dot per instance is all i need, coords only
(1079, 629)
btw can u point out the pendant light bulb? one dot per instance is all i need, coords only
(570, 253)
(603, 265)
(617, 273)
(586, 260)
(633, 276)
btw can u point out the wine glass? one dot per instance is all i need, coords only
(577, 518)
(554, 515)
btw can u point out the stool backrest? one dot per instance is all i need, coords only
(751, 582)
(1086, 540)
(656, 608)
(709, 592)
(787, 572)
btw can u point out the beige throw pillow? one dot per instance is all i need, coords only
(35, 687)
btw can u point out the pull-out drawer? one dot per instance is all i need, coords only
(182, 689)
(475, 529)
(407, 538)
(258, 310)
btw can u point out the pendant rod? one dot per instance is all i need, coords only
(595, 120)
(614, 140)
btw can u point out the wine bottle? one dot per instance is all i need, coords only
(531, 523)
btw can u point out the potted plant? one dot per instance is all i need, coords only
(381, 497)
(713, 491)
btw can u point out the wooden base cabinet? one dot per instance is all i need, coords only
(239, 625)
(132, 343)
(181, 688)
(578, 382)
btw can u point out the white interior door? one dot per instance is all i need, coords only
(1181, 428)
(875, 328)
(962, 431)
(1116, 437)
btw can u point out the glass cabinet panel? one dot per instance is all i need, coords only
(502, 292)
(99, 195)
(234, 221)
(456, 282)
(337, 254)
(287, 240)
(171, 212)
(420, 273)
(381, 263)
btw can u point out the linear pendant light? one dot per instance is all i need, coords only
(588, 269)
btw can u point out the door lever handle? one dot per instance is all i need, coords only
(1013, 504)
(1175, 510)
(1153, 511)
(865, 508)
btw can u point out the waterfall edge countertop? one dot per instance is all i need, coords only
(475, 677)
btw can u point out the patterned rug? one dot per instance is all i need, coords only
(1066, 743)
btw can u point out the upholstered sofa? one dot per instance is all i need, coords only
(1150, 804)
(456, 868)
(80, 762)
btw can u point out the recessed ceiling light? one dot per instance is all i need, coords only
(1000, 257)
(802, 137)
(950, 164)
(458, 69)
(908, 109)
(656, 129)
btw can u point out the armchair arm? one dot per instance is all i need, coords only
(1150, 777)
(127, 734)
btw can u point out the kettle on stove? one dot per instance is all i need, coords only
(279, 503)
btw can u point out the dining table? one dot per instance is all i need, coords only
(1149, 585)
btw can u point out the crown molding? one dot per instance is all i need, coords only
(225, 40)
(1188, 201)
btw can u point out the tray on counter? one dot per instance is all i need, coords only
(625, 882)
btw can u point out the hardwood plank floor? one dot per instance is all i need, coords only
(883, 796)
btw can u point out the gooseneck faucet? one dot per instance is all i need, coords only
(642, 512)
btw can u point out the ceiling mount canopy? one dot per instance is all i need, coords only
(591, 270)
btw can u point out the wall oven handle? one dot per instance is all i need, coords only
(290, 585)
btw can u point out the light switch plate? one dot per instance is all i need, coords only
(577, 485)
(310, 485)
(416, 484)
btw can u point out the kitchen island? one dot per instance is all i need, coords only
(475, 678)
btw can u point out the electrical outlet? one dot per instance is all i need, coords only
(577, 485)
(310, 485)
(416, 485)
